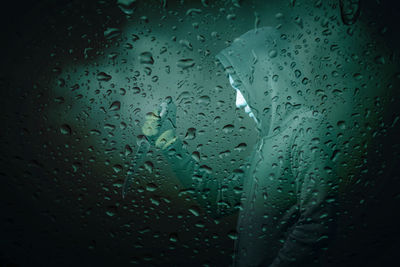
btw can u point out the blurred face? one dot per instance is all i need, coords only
(241, 102)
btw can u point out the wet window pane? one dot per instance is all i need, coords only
(196, 132)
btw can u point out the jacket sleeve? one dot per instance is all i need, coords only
(218, 197)
(314, 158)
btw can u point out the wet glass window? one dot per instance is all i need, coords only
(200, 133)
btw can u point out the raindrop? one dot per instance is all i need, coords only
(233, 235)
(126, 6)
(65, 129)
(187, 44)
(154, 201)
(59, 99)
(134, 37)
(102, 76)
(117, 168)
(115, 106)
(206, 169)
(336, 154)
(264, 228)
(350, 11)
(111, 33)
(185, 63)
(61, 82)
(146, 58)
(297, 73)
(228, 128)
(238, 172)
(204, 100)
(148, 71)
(358, 76)
(151, 187)
(231, 17)
(193, 11)
(109, 127)
(273, 53)
(341, 125)
(95, 132)
(236, 3)
(196, 156)
(194, 210)
(148, 165)
(173, 237)
(190, 134)
(205, 3)
(128, 46)
(279, 15)
(128, 150)
(299, 22)
(305, 81)
(265, 195)
(109, 213)
(241, 147)
(201, 38)
(76, 166)
(223, 154)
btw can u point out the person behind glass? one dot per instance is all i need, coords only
(289, 197)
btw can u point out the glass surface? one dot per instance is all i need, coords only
(95, 170)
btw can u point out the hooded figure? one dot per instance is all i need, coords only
(288, 201)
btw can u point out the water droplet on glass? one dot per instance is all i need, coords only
(151, 187)
(273, 53)
(194, 210)
(231, 16)
(65, 129)
(95, 132)
(115, 106)
(187, 44)
(173, 237)
(117, 168)
(196, 156)
(299, 22)
(240, 147)
(111, 33)
(185, 63)
(148, 165)
(76, 166)
(341, 125)
(204, 100)
(128, 150)
(109, 213)
(126, 6)
(228, 128)
(350, 11)
(102, 76)
(146, 58)
(192, 11)
(134, 37)
(190, 134)
(233, 235)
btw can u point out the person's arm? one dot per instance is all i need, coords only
(316, 178)
(218, 198)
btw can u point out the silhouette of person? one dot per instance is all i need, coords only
(288, 199)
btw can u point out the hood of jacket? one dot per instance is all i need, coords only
(261, 63)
